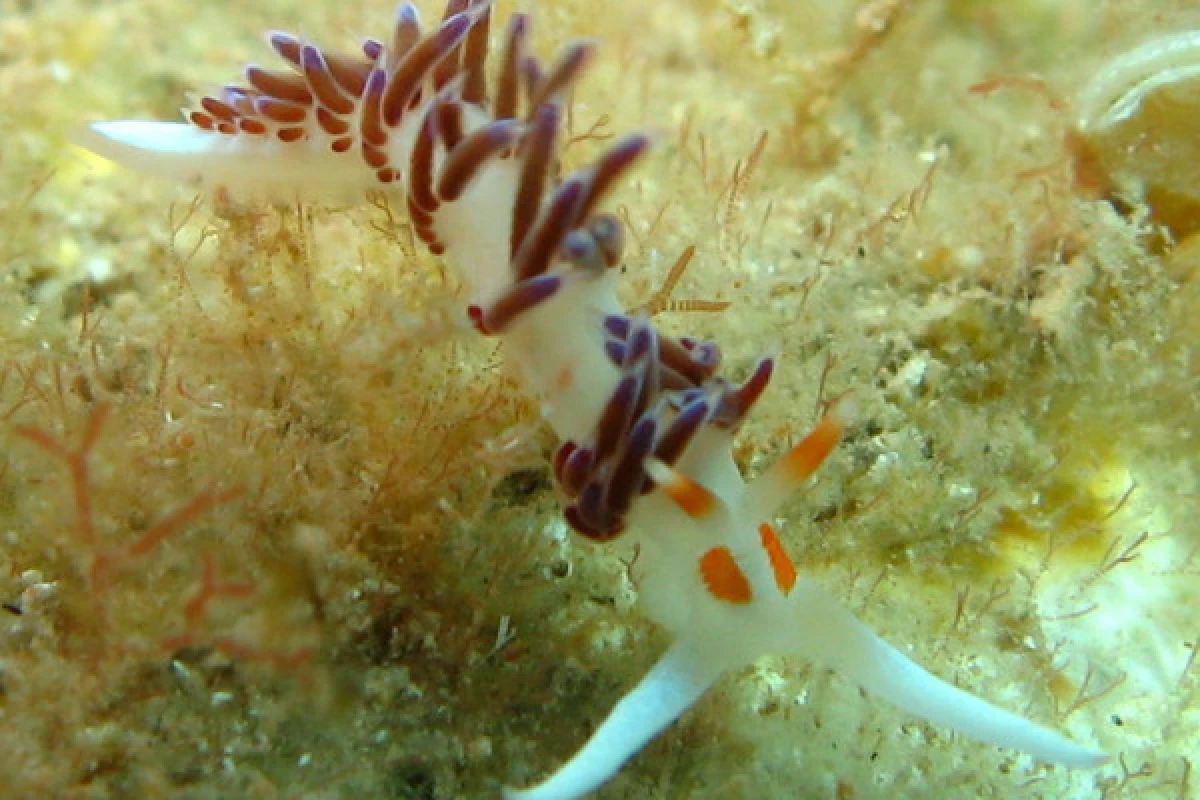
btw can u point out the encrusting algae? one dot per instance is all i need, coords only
(279, 522)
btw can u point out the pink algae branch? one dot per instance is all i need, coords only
(195, 611)
(107, 560)
(196, 633)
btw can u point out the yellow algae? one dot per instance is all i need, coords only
(1073, 517)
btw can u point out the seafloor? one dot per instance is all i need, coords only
(274, 523)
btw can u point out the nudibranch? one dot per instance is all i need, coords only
(646, 423)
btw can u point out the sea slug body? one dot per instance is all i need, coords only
(646, 422)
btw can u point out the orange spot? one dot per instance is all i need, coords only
(691, 497)
(724, 578)
(781, 564)
(805, 458)
(565, 378)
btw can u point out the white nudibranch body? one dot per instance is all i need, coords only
(646, 424)
(187, 155)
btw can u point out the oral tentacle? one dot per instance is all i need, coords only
(673, 685)
(768, 492)
(824, 631)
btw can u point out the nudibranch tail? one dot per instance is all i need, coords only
(331, 126)
(191, 156)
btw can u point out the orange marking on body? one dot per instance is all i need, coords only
(805, 458)
(781, 563)
(565, 379)
(691, 497)
(724, 578)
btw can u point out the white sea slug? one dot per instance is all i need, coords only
(646, 424)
